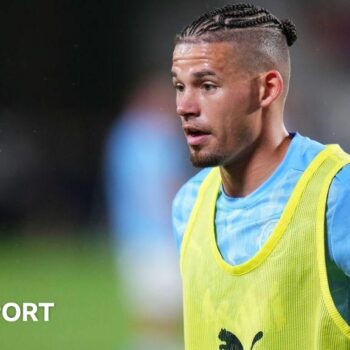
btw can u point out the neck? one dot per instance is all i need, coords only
(246, 173)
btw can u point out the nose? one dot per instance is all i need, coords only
(187, 105)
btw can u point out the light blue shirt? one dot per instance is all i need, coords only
(244, 224)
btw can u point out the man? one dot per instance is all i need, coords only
(257, 270)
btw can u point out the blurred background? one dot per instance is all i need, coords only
(91, 154)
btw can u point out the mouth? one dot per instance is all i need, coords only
(195, 136)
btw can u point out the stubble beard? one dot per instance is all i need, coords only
(205, 160)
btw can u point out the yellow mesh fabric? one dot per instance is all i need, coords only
(279, 299)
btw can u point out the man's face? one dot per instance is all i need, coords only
(217, 101)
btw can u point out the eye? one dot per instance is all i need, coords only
(209, 87)
(179, 87)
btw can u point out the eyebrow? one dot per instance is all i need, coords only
(198, 75)
(203, 73)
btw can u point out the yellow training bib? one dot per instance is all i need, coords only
(279, 299)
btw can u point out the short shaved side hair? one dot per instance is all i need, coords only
(262, 39)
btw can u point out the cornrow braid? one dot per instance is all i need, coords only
(239, 16)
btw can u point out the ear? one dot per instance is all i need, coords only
(271, 87)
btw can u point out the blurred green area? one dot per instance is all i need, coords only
(79, 276)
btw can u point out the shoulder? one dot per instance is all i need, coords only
(338, 219)
(340, 187)
(305, 150)
(339, 192)
(338, 203)
(342, 178)
(188, 192)
(183, 204)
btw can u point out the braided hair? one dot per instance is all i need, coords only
(238, 16)
(262, 38)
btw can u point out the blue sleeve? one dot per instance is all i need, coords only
(338, 220)
(183, 204)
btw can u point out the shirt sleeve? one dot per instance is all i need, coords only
(338, 220)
